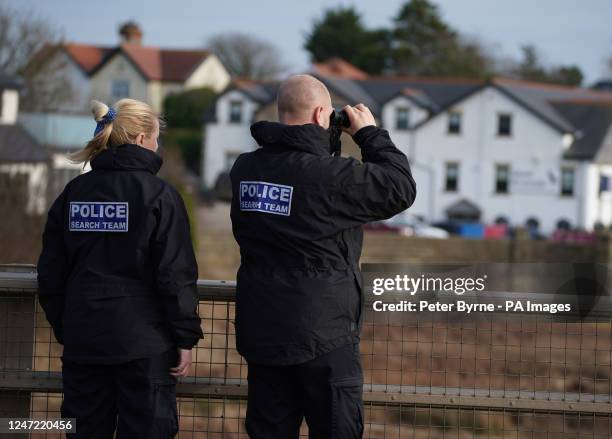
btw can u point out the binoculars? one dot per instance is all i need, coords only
(337, 120)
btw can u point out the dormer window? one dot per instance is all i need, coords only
(235, 115)
(402, 118)
(454, 122)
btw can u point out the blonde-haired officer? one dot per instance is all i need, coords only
(117, 281)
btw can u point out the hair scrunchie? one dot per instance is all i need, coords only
(108, 118)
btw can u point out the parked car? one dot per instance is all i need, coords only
(409, 225)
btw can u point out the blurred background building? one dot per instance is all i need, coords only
(492, 150)
(495, 142)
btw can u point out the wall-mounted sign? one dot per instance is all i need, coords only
(534, 180)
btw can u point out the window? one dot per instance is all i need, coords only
(452, 177)
(502, 178)
(402, 118)
(504, 124)
(235, 112)
(604, 183)
(567, 181)
(120, 89)
(454, 122)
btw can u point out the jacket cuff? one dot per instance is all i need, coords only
(363, 134)
(188, 343)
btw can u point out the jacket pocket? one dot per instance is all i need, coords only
(347, 408)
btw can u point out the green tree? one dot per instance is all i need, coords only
(341, 33)
(531, 68)
(424, 45)
(568, 75)
(186, 109)
(184, 113)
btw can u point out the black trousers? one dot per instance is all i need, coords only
(140, 393)
(327, 391)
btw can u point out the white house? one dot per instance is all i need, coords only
(498, 150)
(21, 156)
(131, 70)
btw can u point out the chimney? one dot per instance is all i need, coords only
(130, 33)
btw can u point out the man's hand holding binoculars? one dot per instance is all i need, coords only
(360, 116)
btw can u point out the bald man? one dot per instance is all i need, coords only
(297, 214)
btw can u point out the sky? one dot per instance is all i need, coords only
(564, 31)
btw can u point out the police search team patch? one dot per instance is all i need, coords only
(260, 196)
(94, 216)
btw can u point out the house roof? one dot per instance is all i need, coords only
(540, 97)
(585, 113)
(9, 81)
(157, 64)
(153, 63)
(339, 68)
(261, 92)
(87, 57)
(16, 145)
(348, 89)
(595, 122)
(164, 64)
(440, 93)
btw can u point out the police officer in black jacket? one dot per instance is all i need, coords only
(297, 214)
(117, 281)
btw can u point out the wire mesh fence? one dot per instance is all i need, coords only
(485, 376)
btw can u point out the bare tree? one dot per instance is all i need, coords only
(247, 56)
(28, 46)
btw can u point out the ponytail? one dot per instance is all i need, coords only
(101, 135)
(116, 126)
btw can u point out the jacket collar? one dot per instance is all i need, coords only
(127, 157)
(310, 137)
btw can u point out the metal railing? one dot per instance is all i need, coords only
(485, 377)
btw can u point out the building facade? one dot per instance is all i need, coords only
(491, 151)
(130, 70)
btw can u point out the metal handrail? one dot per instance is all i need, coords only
(22, 280)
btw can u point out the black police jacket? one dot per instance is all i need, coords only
(297, 214)
(117, 273)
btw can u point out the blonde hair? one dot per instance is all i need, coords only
(132, 118)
